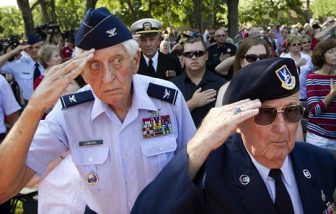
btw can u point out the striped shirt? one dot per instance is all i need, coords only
(321, 119)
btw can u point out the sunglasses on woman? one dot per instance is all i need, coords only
(267, 115)
(190, 54)
(254, 57)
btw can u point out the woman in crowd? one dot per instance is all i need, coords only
(302, 62)
(306, 45)
(250, 50)
(321, 91)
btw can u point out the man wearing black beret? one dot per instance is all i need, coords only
(244, 158)
(121, 129)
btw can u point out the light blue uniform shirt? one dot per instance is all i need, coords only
(23, 71)
(126, 161)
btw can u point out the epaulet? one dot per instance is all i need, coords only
(162, 93)
(76, 98)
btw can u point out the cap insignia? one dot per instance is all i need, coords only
(147, 26)
(285, 77)
(112, 32)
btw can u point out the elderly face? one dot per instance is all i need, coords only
(149, 44)
(220, 36)
(295, 46)
(110, 74)
(270, 144)
(195, 63)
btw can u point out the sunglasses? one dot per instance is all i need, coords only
(305, 43)
(254, 57)
(190, 54)
(296, 44)
(267, 115)
(221, 35)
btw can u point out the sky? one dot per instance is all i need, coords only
(7, 3)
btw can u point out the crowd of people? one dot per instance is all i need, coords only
(142, 120)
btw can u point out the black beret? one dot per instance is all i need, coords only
(100, 29)
(265, 80)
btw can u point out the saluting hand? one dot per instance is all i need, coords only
(57, 79)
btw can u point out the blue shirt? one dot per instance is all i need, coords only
(126, 161)
(23, 71)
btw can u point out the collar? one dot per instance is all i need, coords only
(140, 99)
(155, 59)
(207, 77)
(286, 169)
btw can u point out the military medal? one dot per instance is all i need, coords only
(92, 178)
(156, 125)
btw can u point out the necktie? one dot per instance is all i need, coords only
(150, 68)
(283, 203)
(37, 72)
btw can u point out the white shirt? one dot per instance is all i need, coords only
(23, 72)
(155, 60)
(125, 162)
(8, 103)
(288, 179)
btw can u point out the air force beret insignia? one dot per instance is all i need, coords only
(287, 80)
(162, 93)
(76, 98)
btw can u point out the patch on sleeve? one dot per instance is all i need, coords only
(162, 93)
(76, 98)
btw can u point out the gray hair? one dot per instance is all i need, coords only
(131, 47)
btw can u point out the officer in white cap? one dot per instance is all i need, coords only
(154, 63)
(121, 129)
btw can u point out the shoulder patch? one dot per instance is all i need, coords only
(76, 98)
(162, 93)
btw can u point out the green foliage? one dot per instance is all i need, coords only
(264, 12)
(69, 13)
(323, 8)
(11, 21)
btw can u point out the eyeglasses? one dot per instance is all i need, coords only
(190, 54)
(254, 57)
(220, 35)
(267, 115)
(296, 44)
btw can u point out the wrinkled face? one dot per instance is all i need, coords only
(149, 44)
(195, 63)
(33, 49)
(270, 144)
(110, 74)
(330, 57)
(220, 36)
(257, 50)
(55, 59)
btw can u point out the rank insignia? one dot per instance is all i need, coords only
(162, 93)
(156, 125)
(92, 178)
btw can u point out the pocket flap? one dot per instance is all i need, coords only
(90, 155)
(158, 145)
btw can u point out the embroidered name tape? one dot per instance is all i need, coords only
(76, 98)
(162, 93)
(90, 143)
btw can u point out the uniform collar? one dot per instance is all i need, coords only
(155, 58)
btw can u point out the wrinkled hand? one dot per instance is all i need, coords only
(203, 98)
(57, 79)
(223, 56)
(220, 122)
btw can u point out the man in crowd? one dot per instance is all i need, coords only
(198, 86)
(121, 129)
(153, 63)
(258, 169)
(220, 50)
(26, 68)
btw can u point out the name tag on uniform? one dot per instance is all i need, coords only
(90, 143)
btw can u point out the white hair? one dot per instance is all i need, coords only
(131, 47)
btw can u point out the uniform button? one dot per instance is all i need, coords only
(90, 159)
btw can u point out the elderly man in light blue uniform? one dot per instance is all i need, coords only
(121, 129)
